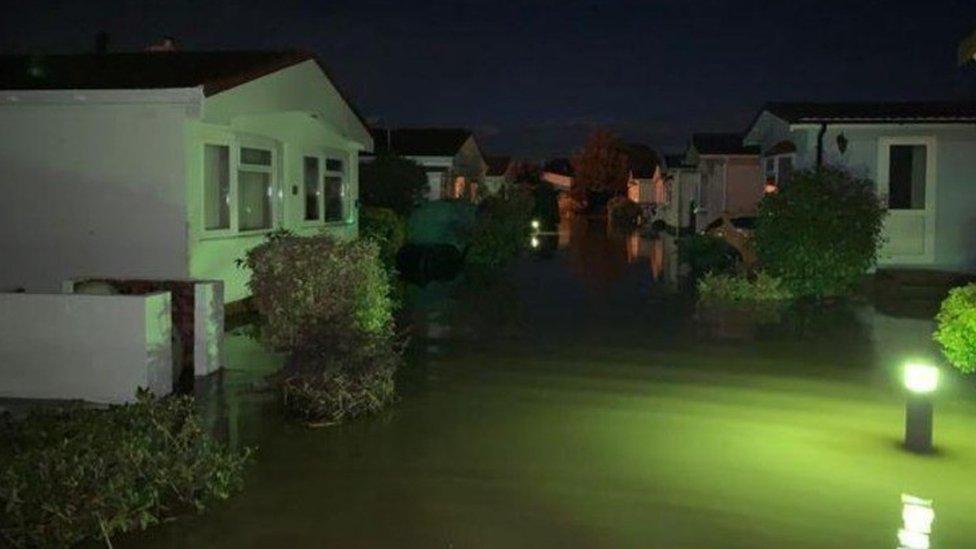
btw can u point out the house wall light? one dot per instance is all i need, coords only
(921, 380)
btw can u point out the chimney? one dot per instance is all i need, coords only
(101, 43)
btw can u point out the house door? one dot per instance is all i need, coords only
(906, 183)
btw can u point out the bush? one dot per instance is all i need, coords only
(956, 331)
(327, 302)
(821, 232)
(728, 287)
(386, 228)
(78, 474)
(501, 230)
(624, 213)
(392, 182)
(707, 254)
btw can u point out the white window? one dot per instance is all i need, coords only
(216, 187)
(326, 188)
(906, 177)
(335, 184)
(779, 170)
(313, 189)
(239, 186)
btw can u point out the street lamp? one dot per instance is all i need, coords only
(921, 381)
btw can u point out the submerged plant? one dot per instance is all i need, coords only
(729, 287)
(76, 474)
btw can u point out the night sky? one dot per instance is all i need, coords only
(532, 78)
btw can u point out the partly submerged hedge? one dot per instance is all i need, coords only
(501, 230)
(956, 332)
(714, 287)
(384, 227)
(78, 474)
(327, 303)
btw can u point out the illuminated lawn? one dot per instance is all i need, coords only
(571, 422)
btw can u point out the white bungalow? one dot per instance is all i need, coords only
(921, 156)
(729, 176)
(168, 164)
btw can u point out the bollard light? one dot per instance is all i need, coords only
(921, 380)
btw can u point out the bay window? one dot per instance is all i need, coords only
(238, 186)
(216, 187)
(326, 190)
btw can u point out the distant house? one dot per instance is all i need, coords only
(559, 173)
(921, 156)
(681, 192)
(168, 164)
(501, 172)
(454, 163)
(646, 184)
(729, 173)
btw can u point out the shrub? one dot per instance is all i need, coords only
(501, 230)
(729, 287)
(706, 254)
(392, 182)
(956, 331)
(821, 232)
(79, 473)
(327, 302)
(386, 228)
(624, 213)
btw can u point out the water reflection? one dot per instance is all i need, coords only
(917, 516)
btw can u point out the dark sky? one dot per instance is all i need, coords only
(532, 78)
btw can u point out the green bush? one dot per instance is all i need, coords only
(327, 302)
(820, 233)
(731, 287)
(624, 213)
(78, 474)
(393, 182)
(501, 230)
(706, 254)
(956, 331)
(386, 228)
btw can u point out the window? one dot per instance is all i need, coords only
(313, 191)
(216, 187)
(254, 189)
(334, 183)
(778, 171)
(906, 177)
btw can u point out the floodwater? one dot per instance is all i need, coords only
(585, 401)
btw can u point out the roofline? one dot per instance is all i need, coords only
(172, 96)
(954, 122)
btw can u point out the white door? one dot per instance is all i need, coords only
(906, 183)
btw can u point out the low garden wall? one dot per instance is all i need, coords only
(97, 348)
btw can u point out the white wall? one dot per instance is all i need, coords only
(91, 347)
(90, 190)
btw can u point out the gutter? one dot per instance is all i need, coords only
(820, 136)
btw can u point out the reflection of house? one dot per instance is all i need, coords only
(729, 174)
(501, 172)
(451, 157)
(559, 173)
(646, 184)
(168, 165)
(922, 157)
(681, 191)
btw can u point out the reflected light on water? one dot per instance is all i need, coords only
(917, 516)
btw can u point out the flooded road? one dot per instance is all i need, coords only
(585, 401)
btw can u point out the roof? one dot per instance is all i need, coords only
(419, 141)
(498, 165)
(721, 144)
(641, 160)
(561, 166)
(214, 71)
(865, 112)
(674, 160)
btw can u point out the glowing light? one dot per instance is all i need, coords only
(535, 242)
(917, 516)
(536, 224)
(921, 378)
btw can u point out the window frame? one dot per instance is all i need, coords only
(775, 159)
(235, 143)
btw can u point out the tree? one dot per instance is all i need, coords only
(601, 166)
(821, 232)
(393, 182)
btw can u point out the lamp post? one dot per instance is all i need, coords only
(921, 381)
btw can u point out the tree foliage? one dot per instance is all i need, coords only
(393, 182)
(820, 233)
(601, 165)
(956, 332)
